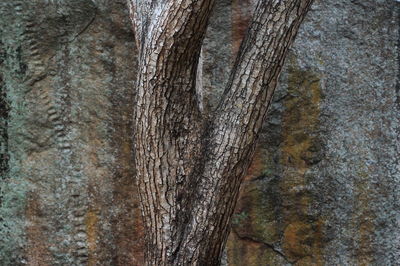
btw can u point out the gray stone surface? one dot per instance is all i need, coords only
(68, 197)
(328, 171)
(358, 181)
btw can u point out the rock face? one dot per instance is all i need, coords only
(323, 188)
(67, 72)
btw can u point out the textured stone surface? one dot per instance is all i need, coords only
(323, 188)
(69, 197)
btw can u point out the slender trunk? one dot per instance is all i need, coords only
(190, 166)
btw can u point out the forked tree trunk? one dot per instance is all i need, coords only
(190, 164)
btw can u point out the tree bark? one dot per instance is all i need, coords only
(190, 164)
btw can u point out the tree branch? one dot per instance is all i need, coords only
(238, 119)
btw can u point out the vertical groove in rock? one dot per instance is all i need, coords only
(4, 113)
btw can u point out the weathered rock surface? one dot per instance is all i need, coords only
(67, 73)
(323, 188)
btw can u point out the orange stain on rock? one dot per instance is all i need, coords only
(363, 219)
(257, 166)
(91, 230)
(302, 242)
(296, 235)
(128, 227)
(302, 239)
(37, 251)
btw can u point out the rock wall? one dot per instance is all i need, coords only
(323, 188)
(67, 72)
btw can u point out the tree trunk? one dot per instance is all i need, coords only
(189, 163)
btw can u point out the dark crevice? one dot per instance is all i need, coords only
(398, 61)
(87, 26)
(4, 114)
(268, 245)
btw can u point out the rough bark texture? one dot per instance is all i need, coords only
(322, 189)
(190, 165)
(168, 120)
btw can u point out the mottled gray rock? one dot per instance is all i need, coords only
(67, 73)
(324, 188)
